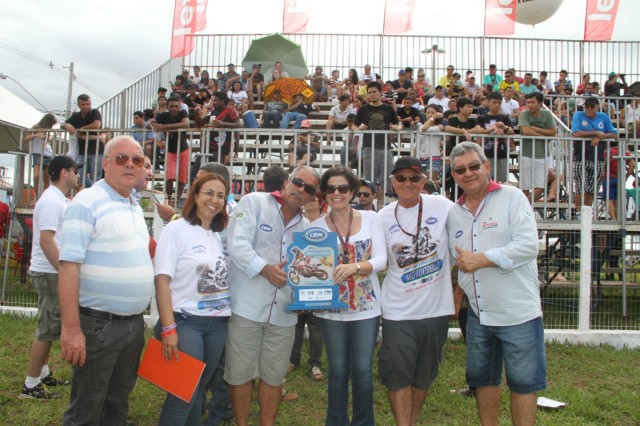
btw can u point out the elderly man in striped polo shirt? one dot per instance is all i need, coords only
(105, 284)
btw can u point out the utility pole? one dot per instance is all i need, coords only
(69, 91)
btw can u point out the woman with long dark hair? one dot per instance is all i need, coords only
(41, 150)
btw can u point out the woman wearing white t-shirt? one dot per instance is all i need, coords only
(192, 290)
(350, 334)
(238, 95)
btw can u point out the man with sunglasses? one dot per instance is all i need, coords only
(366, 194)
(417, 300)
(105, 285)
(261, 331)
(494, 239)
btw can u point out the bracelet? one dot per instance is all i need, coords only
(174, 217)
(357, 268)
(169, 333)
(169, 327)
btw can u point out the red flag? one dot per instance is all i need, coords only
(296, 16)
(189, 16)
(499, 17)
(398, 15)
(600, 19)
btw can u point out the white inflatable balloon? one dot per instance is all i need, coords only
(532, 12)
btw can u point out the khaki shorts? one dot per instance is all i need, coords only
(46, 285)
(257, 350)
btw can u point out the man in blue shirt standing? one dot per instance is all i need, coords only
(593, 126)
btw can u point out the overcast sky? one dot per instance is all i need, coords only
(113, 43)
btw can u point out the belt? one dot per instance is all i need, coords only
(107, 315)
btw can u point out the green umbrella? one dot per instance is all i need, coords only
(267, 50)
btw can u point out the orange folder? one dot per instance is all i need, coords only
(180, 379)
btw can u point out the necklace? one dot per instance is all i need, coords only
(343, 241)
(417, 234)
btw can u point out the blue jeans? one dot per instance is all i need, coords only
(271, 119)
(350, 346)
(100, 389)
(290, 115)
(92, 168)
(520, 346)
(203, 338)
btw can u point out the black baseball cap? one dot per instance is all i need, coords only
(60, 162)
(410, 163)
(591, 100)
(369, 184)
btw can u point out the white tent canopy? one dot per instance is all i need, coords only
(15, 115)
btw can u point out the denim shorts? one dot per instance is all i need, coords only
(37, 159)
(520, 346)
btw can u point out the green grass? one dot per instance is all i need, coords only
(599, 385)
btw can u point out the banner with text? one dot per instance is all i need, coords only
(499, 17)
(189, 16)
(398, 15)
(600, 19)
(296, 16)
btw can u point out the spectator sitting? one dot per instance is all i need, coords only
(562, 82)
(483, 105)
(221, 117)
(247, 116)
(545, 84)
(278, 66)
(319, 80)
(307, 147)
(273, 111)
(509, 81)
(162, 106)
(229, 75)
(335, 85)
(401, 85)
(471, 88)
(221, 81)
(422, 84)
(446, 79)
(454, 88)
(276, 75)
(528, 86)
(205, 96)
(408, 115)
(297, 111)
(492, 79)
(178, 86)
(510, 106)
(338, 116)
(586, 78)
(632, 118)
(203, 82)
(389, 96)
(257, 80)
(451, 111)
(162, 92)
(439, 98)
(192, 99)
(366, 76)
(238, 95)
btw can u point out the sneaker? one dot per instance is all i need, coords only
(316, 373)
(52, 380)
(37, 392)
(464, 392)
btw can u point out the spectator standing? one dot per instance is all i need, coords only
(48, 215)
(376, 155)
(41, 150)
(429, 146)
(497, 149)
(102, 325)
(261, 330)
(494, 239)
(191, 278)
(610, 186)
(510, 106)
(417, 300)
(534, 163)
(588, 154)
(222, 116)
(350, 334)
(462, 123)
(89, 150)
(338, 116)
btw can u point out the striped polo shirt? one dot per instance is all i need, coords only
(106, 233)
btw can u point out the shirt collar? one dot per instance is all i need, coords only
(493, 186)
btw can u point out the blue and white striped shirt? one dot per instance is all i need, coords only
(106, 233)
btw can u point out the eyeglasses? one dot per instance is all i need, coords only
(462, 170)
(343, 189)
(309, 189)
(364, 194)
(122, 159)
(412, 178)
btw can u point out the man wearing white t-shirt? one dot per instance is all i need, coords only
(417, 300)
(47, 224)
(338, 116)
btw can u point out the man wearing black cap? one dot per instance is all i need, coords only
(366, 194)
(593, 126)
(417, 300)
(47, 222)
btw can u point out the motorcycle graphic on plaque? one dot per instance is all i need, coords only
(312, 259)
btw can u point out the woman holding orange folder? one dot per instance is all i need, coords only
(192, 291)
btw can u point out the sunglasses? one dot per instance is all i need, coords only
(122, 159)
(412, 178)
(364, 194)
(343, 189)
(462, 170)
(309, 189)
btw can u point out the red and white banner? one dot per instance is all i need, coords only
(189, 16)
(398, 15)
(600, 19)
(499, 17)
(296, 16)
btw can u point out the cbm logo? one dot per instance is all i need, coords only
(315, 234)
(266, 228)
(431, 220)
